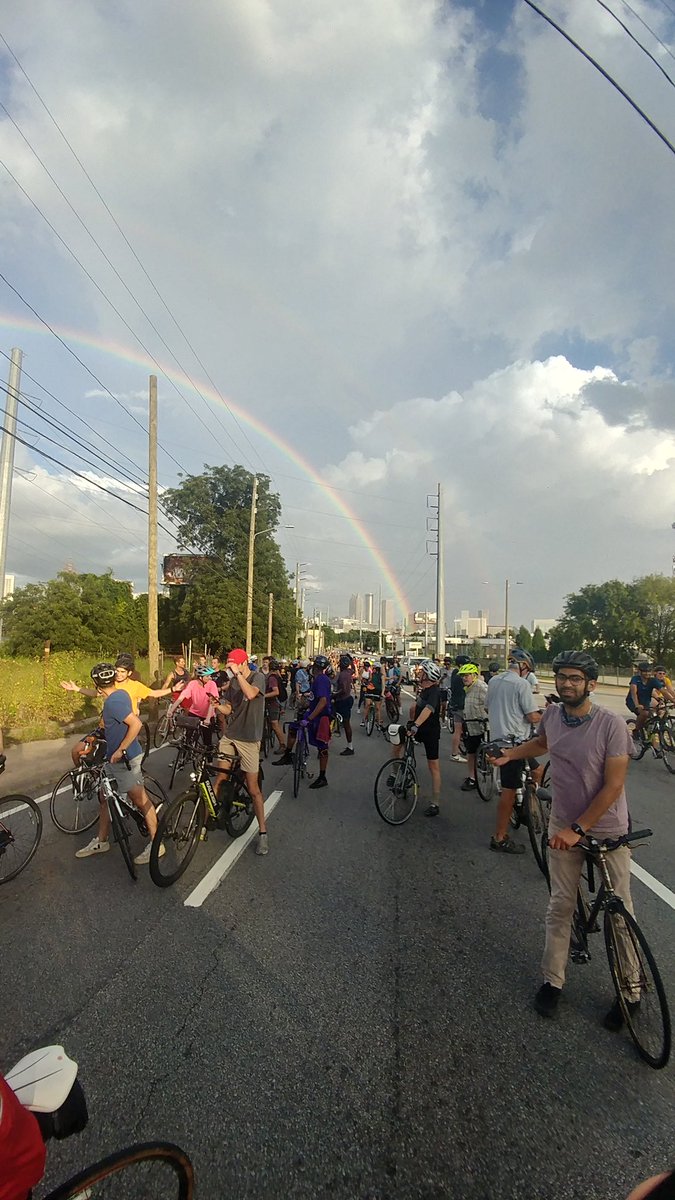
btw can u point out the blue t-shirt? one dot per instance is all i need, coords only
(644, 690)
(302, 680)
(117, 706)
(321, 686)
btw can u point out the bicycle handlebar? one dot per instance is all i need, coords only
(591, 843)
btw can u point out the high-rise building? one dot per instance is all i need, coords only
(9, 587)
(471, 627)
(368, 608)
(356, 607)
(387, 614)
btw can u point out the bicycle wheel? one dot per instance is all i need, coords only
(74, 806)
(121, 835)
(145, 740)
(298, 764)
(370, 720)
(161, 733)
(537, 827)
(155, 790)
(179, 827)
(487, 776)
(152, 1170)
(182, 756)
(640, 744)
(266, 738)
(240, 811)
(393, 711)
(668, 744)
(20, 833)
(546, 777)
(396, 791)
(638, 985)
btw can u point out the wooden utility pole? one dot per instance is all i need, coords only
(270, 610)
(7, 461)
(249, 581)
(153, 630)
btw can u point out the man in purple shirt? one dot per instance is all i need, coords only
(590, 749)
(317, 718)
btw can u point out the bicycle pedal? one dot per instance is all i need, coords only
(580, 956)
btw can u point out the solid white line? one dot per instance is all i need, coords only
(47, 795)
(228, 859)
(649, 881)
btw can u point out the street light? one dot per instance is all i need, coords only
(507, 585)
(249, 582)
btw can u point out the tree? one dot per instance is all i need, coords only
(653, 597)
(92, 613)
(213, 512)
(539, 648)
(524, 638)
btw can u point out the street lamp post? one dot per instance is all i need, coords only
(253, 534)
(507, 639)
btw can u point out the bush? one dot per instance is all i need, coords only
(31, 693)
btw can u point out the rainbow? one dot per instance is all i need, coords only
(120, 351)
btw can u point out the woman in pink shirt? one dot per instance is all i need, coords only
(196, 698)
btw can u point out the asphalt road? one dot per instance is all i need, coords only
(349, 1017)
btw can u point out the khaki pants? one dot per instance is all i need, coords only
(565, 868)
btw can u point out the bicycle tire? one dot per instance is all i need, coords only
(19, 811)
(639, 747)
(161, 733)
(83, 804)
(298, 765)
(393, 711)
(154, 789)
(668, 745)
(370, 720)
(486, 776)
(546, 777)
(239, 813)
(132, 1160)
(396, 804)
(145, 740)
(182, 756)
(537, 828)
(177, 836)
(266, 738)
(121, 834)
(656, 1051)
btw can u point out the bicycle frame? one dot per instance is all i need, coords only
(605, 897)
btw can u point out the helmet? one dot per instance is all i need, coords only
(303, 662)
(274, 664)
(126, 661)
(431, 670)
(494, 666)
(204, 672)
(346, 660)
(461, 659)
(366, 662)
(522, 656)
(576, 658)
(103, 674)
(468, 669)
(659, 668)
(321, 662)
(644, 666)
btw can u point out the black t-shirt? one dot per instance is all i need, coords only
(220, 679)
(179, 677)
(429, 698)
(457, 692)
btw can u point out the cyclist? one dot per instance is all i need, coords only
(510, 706)
(526, 663)
(244, 708)
(343, 700)
(590, 750)
(456, 698)
(302, 686)
(273, 687)
(317, 721)
(219, 673)
(474, 715)
(425, 727)
(124, 757)
(364, 680)
(374, 692)
(124, 669)
(643, 688)
(178, 677)
(666, 691)
(446, 675)
(493, 668)
(196, 699)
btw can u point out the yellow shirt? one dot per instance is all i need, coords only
(135, 690)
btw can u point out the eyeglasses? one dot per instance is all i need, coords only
(577, 680)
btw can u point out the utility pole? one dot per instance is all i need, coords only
(249, 581)
(506, 626)
(7, 461)
(270, 609)
(440, 583)
(379, 618)
(153, 630)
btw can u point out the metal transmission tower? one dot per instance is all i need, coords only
(7, 461)
(435, 549)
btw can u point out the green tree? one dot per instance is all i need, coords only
(539, 648)
(95, 614)
(524, 638)
(653, 598)
(602, 619)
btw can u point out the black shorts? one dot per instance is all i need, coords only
(431, 742)
(512, 774)
(472, 741)
(344, 707)
(443, 693)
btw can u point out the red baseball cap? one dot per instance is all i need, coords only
(237, 656)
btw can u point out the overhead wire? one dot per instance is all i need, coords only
(649, 28)
(637, 41)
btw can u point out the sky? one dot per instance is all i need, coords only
(366, 249)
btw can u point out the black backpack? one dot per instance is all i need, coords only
(283, 691)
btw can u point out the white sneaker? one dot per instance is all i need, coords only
(457, 758)
(262, 847)
(143, 858)
(94, 847)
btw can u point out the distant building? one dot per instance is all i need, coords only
(369, 601)
(9, 587)
(356, 608)
(544, 623)
(469, 627)
(387, 614)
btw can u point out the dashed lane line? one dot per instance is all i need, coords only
(227, 859)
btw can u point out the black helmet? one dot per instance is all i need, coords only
(660, 668)
(103, 674)
(125, 660)
(346, 660)
(274, 664)
(643, 665)
(494, 666)
(576, 658)
(321, 662)
(522, 656)
(462, 659)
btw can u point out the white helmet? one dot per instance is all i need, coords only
(431, 670)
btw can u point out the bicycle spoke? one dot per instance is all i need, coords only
(638, 987)
(396, 791)
(20, 832)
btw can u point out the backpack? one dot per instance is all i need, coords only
(283, 691)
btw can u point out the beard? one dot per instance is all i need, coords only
(578, 700)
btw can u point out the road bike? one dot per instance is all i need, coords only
(336, 723)
(20, 832)
(193, 737)
(198, 809)
(393, 706)
(122, 811)
(165, 729)
(300, 755)
(74, 803)
(657, 735)
(396, 785)
(635, 975)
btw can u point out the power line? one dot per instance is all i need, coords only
(83, 516)
(603, 72)
(633, 38)
(649, 28)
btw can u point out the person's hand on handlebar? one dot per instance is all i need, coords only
(118, 756)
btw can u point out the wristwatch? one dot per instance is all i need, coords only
(576, 828)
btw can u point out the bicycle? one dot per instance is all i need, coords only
(180, 824)
(657, 734)
(267, 739)
(396, 786)
(153, 1170)
(393, 706)
(336, 723)
(192, 736)
(635, 975)
(165, 729)
(122, 810)
(300, 755)
(74, 802)
(20, 833)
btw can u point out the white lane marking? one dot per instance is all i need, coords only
(47, 795)
(228, 859)
(649, 881)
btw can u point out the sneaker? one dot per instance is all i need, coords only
(432, 810)
(320, 782)
(143, 858)
(263, 844)
(547, 999)
(614, 1020)
(469, 785)
(506, 846)
(285, 760)
(94, 847)
(348, 753)
(457, 758)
